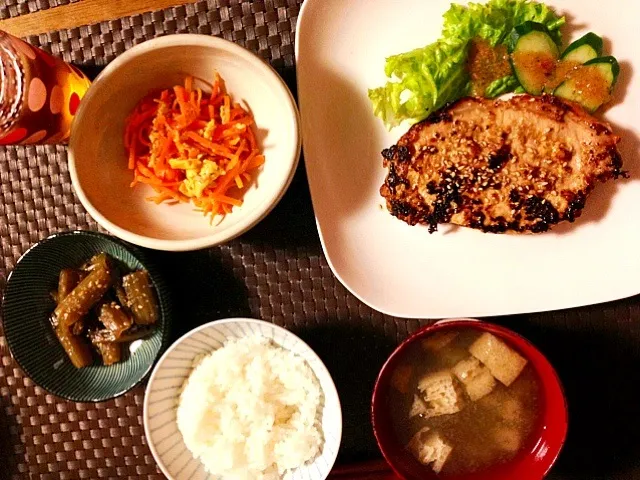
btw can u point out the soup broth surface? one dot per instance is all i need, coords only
(487, 431)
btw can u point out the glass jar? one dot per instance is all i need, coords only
(39, 94)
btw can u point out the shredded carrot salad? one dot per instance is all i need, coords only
(192, 146)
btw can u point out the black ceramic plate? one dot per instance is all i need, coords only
(27, 305)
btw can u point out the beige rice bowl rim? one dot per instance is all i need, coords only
(174, 367)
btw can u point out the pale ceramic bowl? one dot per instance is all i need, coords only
(170, 373)
(98, 162)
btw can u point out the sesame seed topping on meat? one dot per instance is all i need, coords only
(520, 165)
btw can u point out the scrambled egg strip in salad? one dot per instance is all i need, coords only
(192, 146)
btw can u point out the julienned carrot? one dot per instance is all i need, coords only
(208, 145)
(190, 146)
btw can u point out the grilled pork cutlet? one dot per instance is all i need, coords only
(516, 165)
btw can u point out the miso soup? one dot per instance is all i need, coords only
(464, 400)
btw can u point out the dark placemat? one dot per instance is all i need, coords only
(276, 272)
(264, 26)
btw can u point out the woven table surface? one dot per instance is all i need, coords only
(13, 8)
(275, 272)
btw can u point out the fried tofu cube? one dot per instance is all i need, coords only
(503, 362)
(429, 448)
(440, 393)
(418, 407)
(438, 340)
(451, 355)
(475, 377)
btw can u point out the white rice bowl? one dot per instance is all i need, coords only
(251, 410)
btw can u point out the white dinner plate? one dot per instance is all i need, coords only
(404, 271)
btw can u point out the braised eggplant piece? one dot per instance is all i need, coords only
(97, 261)
(121, 295)
(102, 336)
(140, 296)
(75, 346)
(88, 292)
(114, 318)
(136, 332)
(99, 309)
(67, 281)
(78, 327)
(109, 351)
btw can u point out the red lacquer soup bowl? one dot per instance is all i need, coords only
(541, 450)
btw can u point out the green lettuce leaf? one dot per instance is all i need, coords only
(501, 86)
(425, 79)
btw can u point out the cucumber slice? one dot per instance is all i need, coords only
(591, 84)
(608, 66)
(581, 54)
(526, 28)
(586, 48)
(534, 55)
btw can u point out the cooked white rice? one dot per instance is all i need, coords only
(250, 410)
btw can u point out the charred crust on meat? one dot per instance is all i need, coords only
(555, 102)
(394, 152)
(499, 225)
(462, 165)
(540, 227)
(403, 153)
(439, 215)
(432, 149)
(477, 220)
(540, 208)
(393, 179)
(388, 153)
(402, 209)
(441, 116)
(499, 158)
(447, 200)
(600, 128)
(576, 202)
(616, 164)
(432, 187)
